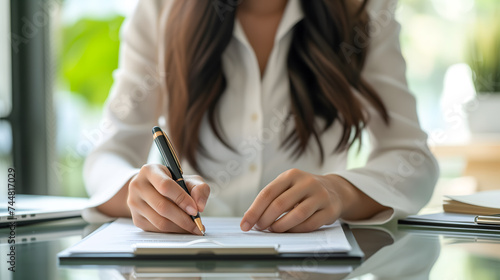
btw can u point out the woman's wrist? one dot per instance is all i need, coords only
(356, 205)
(117, 206)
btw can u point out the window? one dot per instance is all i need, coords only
(5, 77)
(434, 41)
(5, 95)
(87, 33)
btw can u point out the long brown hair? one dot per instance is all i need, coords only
(321, 76)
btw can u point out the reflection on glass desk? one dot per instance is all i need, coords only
(389, 254)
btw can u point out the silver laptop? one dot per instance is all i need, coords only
(36, 208)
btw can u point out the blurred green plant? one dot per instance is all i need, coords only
(88, 57)
(484, 54)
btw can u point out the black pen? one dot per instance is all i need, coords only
(172, 162)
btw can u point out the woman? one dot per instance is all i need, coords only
(262, 99)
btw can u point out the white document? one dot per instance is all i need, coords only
(121, 236)
(490, 199)
(446, 217)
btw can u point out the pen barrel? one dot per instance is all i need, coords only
(180, 182)
(168, 156)
(172, 163)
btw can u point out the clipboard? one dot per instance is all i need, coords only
(448, 222)
(260, 254)
(202, 247)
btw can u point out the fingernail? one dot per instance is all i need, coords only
(202, 202)
(197, 231)
(191, 211)
(245, 226)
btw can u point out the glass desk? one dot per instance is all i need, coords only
(390, 253)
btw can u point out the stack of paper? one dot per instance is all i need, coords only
(481, 203)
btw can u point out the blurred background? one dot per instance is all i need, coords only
(57, 56)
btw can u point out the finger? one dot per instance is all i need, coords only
(263, 200)
(166, 208)
(283, 203)
(143, 223)
(160, 178)
(200, 191)
(163, 224)
(296, 216)
(314, 222)
(192, 181)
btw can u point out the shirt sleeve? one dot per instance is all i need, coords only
(401, 171)
(123, 138)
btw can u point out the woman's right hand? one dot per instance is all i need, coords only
(157, 203)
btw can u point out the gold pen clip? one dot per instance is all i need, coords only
(171, 147)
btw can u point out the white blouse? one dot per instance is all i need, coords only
(400, 172)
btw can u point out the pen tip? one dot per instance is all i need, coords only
(200, 226)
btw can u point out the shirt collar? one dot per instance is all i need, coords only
(293, 13)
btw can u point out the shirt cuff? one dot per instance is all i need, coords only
(105, 191)
(383, 194)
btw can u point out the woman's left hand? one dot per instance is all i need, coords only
(310, 200)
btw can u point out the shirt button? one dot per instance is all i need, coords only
(255, 117)
(253, 167)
